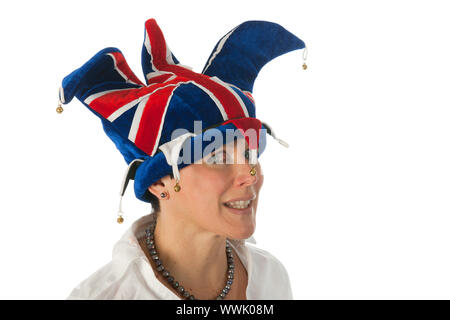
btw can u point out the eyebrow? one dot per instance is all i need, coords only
(225, 148)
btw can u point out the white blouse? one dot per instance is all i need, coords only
(129, 274)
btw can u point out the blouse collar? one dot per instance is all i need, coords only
(128, 250)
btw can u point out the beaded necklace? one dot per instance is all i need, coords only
(150, 240)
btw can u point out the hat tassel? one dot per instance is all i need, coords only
(305, 54)
(120, 218)
(129, 174)
(272, 134)
(171, 151)
(61, 100)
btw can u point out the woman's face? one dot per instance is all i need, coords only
(220, 178)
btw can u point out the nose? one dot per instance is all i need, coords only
(243, 176)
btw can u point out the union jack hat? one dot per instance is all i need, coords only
(140, 118)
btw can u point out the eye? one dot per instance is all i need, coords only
(247, 154)
(214, 158)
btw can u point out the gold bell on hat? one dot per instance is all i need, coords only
(59, 109)
(61, 100)
(305, 54)
(120, 220)
(177, 187)
(253, 171)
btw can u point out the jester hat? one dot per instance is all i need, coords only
(140, 118)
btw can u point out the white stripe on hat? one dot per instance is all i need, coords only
(116, 114)
(137, 119)
(247, 93)
(214, 98)
(123, 75)
(161, 123)
(94, 96)
(169, 55)
(149, 49)
(156, 73)
(125, 108)
(218, 49)
(138, 114)
(238, 98)
(169, 58)
(139, 111)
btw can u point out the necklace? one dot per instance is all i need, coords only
(150, 240)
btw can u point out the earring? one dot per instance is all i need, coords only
(253, 171)
(163, 195)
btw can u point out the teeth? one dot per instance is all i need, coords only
(239, 204)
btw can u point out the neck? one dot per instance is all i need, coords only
(195, 257)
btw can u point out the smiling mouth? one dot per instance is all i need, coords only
(239, 205)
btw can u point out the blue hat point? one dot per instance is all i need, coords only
(142, 119)
(239, 56)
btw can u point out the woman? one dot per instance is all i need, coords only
(193, 244)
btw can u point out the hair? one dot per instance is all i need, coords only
(154, 201)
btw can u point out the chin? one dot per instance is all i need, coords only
(242, 232)
(240, 227)
(242, 236)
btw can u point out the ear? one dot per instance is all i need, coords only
(158, 187)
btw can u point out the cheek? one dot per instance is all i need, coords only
(208, 186)
(260, 181)
(258, 185)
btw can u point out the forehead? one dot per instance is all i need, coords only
(237, 143)
(233, 147)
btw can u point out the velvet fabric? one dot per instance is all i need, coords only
(156, 167)
(247, 49)
(139, 117)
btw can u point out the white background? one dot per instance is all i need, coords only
(358, 206)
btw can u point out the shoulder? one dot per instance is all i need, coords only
(265, 260)
(126, 276)
(108, 282)
(266, 268)
(96, 284)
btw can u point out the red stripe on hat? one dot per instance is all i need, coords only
(249, 95)
(157, 43)
(229, 102)
(152, 120)
(107, 104)
(160, 78)
(124, 68)
(243, 125)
